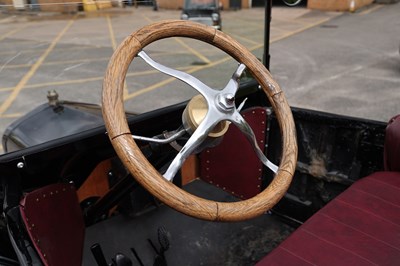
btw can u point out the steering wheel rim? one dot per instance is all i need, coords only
(130, 154)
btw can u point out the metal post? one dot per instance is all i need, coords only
(267, 27)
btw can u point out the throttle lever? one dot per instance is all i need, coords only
(98, 255)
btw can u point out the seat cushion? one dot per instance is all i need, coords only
(359, 227)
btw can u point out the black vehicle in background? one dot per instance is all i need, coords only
(202, 11)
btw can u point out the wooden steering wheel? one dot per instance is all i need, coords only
(130, 154)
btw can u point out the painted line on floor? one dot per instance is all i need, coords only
(114, 46)
(54, 63)
(169, 80)
(291, 33)
(56, 49)
(238, 37)
(6, 19)
(14, 115)
(193, 51)
(85, 80)
(111, 31)
(190, 49)
(8, 34)
(253, 24)
(370, 10)
(257, 46)
(15, 92)
(77, 61)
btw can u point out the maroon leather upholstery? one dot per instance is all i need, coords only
(217, 165)
(359, 227)
(55, 224)
(392, 145)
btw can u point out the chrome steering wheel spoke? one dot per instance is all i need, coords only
(195, 140)
(239, 121)
(202, 88)
(233, 84)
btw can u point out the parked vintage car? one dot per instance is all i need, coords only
(222, 179)
(203, 11)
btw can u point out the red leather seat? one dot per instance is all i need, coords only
(359, 227)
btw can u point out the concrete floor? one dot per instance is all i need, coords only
(347, 63)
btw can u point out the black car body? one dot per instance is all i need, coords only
(202, 11)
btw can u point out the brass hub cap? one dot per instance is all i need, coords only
(194, 114)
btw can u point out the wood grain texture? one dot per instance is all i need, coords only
(190, 169)
(145, 173)
(96, 185)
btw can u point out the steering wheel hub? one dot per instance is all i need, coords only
(194, 114)
(226, 102)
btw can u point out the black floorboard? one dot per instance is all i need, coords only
(192, 241)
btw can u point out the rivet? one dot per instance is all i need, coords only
(207, 169)
(37, 199)
(51, 193)
(253, 112)
(32, 225)
(56, 191)
(63, 189)
(207, 161)
(20, 165)
(208, 151)
(44, 195)
(262, 122)
(224, 188)
(259, 170)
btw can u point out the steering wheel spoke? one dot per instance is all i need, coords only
(185, 77)
(233, 84)
(239, 121)
(197, 138)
